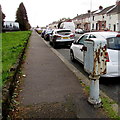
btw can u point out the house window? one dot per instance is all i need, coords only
(118, 27)
(114, 27)
(93, 26)
(110, 17)
(93, 18)
(103, 16)
(7, 26)
(103, 26)
(96, 26)
(109, 26)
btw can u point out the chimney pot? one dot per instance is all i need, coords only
(100, 7)
(118, 2)
(89, 11)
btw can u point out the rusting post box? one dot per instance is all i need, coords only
(95, 63)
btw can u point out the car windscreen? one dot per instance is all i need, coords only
(113, 43)
(64, 32)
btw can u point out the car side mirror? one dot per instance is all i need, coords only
(84, 48)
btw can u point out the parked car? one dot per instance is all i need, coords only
(79, 31)
(43, 32)
(68, 25)
(61, 37)
(38, 30)
(47, 34)
(113, 50)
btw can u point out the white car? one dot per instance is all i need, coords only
(79, 31)
(61, 37)
(113, 50)
(68, 25)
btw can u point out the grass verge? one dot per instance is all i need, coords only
(107, 106)
(12, 45)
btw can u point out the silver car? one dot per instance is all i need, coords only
(61, 37)
(113, 50)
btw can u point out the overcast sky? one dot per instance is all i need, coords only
(43, 12)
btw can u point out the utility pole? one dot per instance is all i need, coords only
(90, 14)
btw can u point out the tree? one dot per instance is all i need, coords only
(2, 16)
(22, 18)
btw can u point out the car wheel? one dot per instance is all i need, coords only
(72, 56)
(47, 38)
(54, 45)
(50, 42)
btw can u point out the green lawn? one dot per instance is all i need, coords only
(12, 45)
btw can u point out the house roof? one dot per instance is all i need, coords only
(110, 9)
(114, 9)
(106, 9)
(82, 16)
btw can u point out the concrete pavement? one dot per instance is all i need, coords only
(50, 89)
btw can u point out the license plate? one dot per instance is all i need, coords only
(65, 37)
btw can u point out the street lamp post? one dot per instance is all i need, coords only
(90, 14)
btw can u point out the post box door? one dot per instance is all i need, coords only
(89, 57)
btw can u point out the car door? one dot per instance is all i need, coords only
(78, 48)
(51, 36)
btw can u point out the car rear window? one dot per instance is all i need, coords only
(64, 32)
(113, 43)
(48, 31)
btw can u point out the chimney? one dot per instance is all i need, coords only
(89, 11)
(100, 7)
(118, 2)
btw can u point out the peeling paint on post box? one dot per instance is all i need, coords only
(99, 60)
(95, 57)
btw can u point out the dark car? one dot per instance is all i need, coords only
(47, 34)
(43, 32)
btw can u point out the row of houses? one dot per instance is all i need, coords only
(10, 26)
(102, 19)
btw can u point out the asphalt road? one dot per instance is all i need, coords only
(111, 86)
